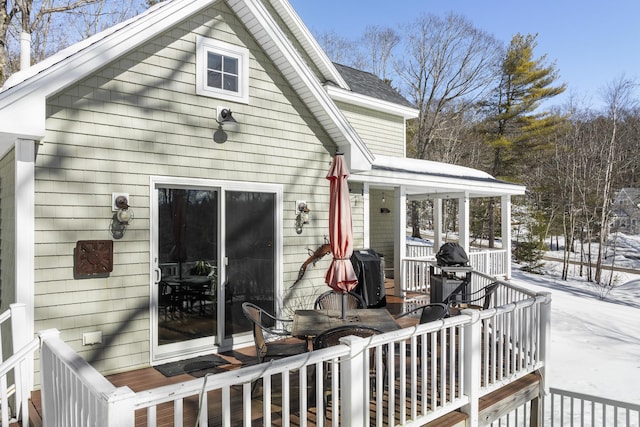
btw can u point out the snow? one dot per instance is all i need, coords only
(595, 342)
(428, 166)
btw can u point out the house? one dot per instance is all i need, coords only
(191, 139)
(626, 211)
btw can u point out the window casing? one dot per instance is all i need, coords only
(222, 70)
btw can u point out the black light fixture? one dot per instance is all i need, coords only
(223, 116)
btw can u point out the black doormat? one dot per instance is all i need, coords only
(191, 365)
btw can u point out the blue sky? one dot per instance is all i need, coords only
(592, 42)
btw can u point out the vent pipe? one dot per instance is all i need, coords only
(25, 50)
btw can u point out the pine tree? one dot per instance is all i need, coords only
(513, 129)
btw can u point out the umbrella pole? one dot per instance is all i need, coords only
(344, 303)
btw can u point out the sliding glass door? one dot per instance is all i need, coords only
(214, 246)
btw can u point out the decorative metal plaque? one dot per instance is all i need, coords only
(93, 258)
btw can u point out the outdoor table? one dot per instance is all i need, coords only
(187, 289)
(310, 323)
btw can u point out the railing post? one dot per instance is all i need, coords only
(488, 263)
(545, 338)
(120, 411)
(472, 368)
(47, 385)
(24, 370)
(352, 380)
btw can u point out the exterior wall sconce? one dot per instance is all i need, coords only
(223, 116)
(123, 214)
(302, 215)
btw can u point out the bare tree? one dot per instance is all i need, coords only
(379, 42)
(31, 30)
(448, 66)
(618, 96)
(339, 49)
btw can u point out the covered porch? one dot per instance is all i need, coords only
(391, 183)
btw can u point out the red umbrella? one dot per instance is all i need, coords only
(340, 275)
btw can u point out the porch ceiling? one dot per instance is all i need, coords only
(423, 179)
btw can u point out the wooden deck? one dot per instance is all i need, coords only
(492, 407)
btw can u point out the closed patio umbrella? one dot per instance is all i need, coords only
(341, 277)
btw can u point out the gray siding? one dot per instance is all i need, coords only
(382, 232)
(383, 133)
(138, 117)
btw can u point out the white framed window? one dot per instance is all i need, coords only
(222, 70)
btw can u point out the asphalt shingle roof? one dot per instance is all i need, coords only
(369, 84)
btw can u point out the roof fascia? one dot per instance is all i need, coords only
(338, 94)
(23, 105)
(287, 59)
(308, 42)
(439, 185)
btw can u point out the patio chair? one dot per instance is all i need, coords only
(166, 300)
(268, 348)
(332, 300)
(428, 312)
(332, 337)
(480, 299)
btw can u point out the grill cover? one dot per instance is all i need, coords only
(369, 268)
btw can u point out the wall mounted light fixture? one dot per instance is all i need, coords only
(302, 215)
(123, 214)
(223, 116)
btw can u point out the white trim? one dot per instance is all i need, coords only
(505, 203)
(23, 97)
(308, 42)
(400, 237)
(205, 45)
(25, 229)
(295, 70)
(181, 350)
(366, 208)
(371, 103)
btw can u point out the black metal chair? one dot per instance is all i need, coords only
(428, 312)
(332, 337)
(478, 299)
(332, 300)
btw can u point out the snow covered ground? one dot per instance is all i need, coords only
(595, 343)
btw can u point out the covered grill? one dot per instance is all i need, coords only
(369, 268)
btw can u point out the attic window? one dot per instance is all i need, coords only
(222, 70)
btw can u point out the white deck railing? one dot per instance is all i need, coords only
(74, 394)
(416, 267)
(491, 261)
(16, 374)
(576, 409)
(420, 374)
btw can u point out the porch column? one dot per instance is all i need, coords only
(437, 224)
(463, 222)
(24, 261)
(400, 239)
(366, 210)
(506, 234)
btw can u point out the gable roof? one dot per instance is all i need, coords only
(369, 84)
(23, 98)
